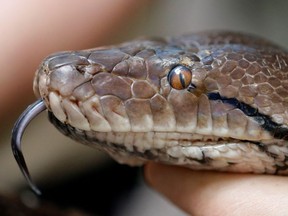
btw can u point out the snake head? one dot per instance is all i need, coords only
(113, 88)
(212, 100)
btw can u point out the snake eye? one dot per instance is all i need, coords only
(179, 77)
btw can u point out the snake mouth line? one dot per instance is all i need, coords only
(201, 152)
(141, 142)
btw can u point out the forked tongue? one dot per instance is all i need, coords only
(17, 132)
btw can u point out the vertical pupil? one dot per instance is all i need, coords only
(182, 79)
(179, 77)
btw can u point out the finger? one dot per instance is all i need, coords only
(215, 193)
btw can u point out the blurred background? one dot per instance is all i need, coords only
(69, 174)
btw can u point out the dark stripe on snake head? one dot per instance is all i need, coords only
(278, 131)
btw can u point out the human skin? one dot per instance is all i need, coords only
(31, 30)
(219, 194)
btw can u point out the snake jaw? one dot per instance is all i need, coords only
(191, 150)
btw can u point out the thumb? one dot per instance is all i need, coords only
(215, 193)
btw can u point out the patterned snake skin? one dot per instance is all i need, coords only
(210, 100)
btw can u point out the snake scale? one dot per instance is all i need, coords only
(214, 100)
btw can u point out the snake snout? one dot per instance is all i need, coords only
(61, 69)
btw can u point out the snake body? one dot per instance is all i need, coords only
(230, 115)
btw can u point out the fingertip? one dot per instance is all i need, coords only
(150, 173)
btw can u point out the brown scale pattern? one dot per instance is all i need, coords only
(253, 77)
(124, 88)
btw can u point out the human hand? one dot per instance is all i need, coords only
(215, 193)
